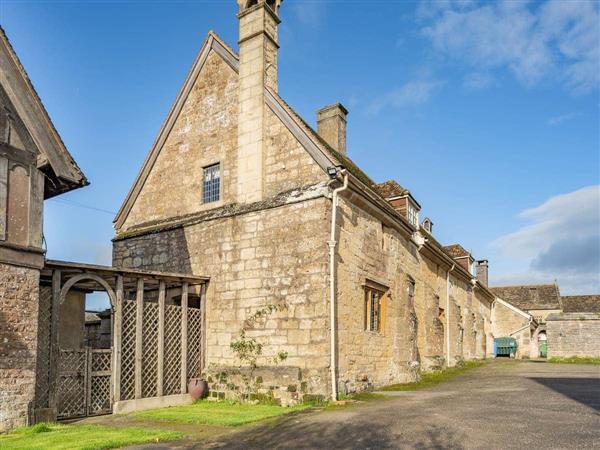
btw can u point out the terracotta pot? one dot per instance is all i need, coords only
(197, 388)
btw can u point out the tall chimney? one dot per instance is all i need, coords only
(482, 271)
(331, 126)
(259, 20)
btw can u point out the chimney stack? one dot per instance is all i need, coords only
(259, 20)
(482, 271)
(331, 126)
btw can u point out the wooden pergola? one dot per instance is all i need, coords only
(140, 290)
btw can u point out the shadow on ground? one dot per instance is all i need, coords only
(292, 434)
(582, 390)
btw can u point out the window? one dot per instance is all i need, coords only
(374, 309)
(212, 183)
(413, 215)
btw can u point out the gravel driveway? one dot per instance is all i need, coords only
(504, 405)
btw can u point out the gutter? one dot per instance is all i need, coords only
(332, 243)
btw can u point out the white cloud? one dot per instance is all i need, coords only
(478, 80)
(556, 40)
(413, 93)
(557, 120)
(563, 242)
(309, 12)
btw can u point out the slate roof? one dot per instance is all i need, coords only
(581, 303)
(528, 297)
(456, 251)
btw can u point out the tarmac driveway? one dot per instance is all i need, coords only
(504, 405)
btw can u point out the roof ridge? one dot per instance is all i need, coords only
(37, 98)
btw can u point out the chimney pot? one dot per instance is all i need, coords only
(331, 126)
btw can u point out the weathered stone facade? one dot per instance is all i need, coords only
(265, 241)
(254, 259)
(509, 321)
(18, 343)
(573, 334)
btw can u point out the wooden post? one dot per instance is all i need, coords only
(3, 197)
(117, 341)
(184, 336)
(161, 340)
(54, 350)
(202, 328)
(139, 323)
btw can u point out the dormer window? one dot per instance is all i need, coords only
(413, 215)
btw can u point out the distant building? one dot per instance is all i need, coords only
(546, 323)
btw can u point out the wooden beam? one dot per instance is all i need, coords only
(161, 340)
(184, 336)
(117, 340)
(203, 328)
(36, 207)
(3, 197)
(54, 350)
(139, 323)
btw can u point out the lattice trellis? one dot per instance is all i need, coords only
(128, 351)
(43, 348)
(172, 358)
(194, 342)
(72, 366)
(99, 394)
(149, 350)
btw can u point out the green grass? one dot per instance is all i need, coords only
(53, 436)
(574, 360)
(218, 413)
(432, 378)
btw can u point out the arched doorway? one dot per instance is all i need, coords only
(542, 344)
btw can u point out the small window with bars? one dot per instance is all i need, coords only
(374, 309)
(211, 189)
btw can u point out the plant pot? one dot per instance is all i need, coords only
(197, 388)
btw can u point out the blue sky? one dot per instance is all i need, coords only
(487, 112)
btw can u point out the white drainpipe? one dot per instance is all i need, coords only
(448, 315)
(332, 297)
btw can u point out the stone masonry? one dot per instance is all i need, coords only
(265, 241)
(573, 334)
(18, 343)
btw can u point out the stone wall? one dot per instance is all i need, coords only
(272, 256)
(413, 336)
(18, 342)
(507, 322)
(204, 133)
(573, 334)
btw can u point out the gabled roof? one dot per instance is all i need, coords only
(456, 251)
(321, 152)
(53, 157)
(530, 297)
(581, 303)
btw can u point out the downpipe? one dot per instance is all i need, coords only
(332, 243)
(448, 315)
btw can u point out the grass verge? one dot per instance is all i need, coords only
(219, 413)
(432, 378)
(574, 360)
(81, 437)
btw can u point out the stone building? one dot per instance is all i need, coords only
(575, 331)
(34, 166)
(544, 323)
(238, 187)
